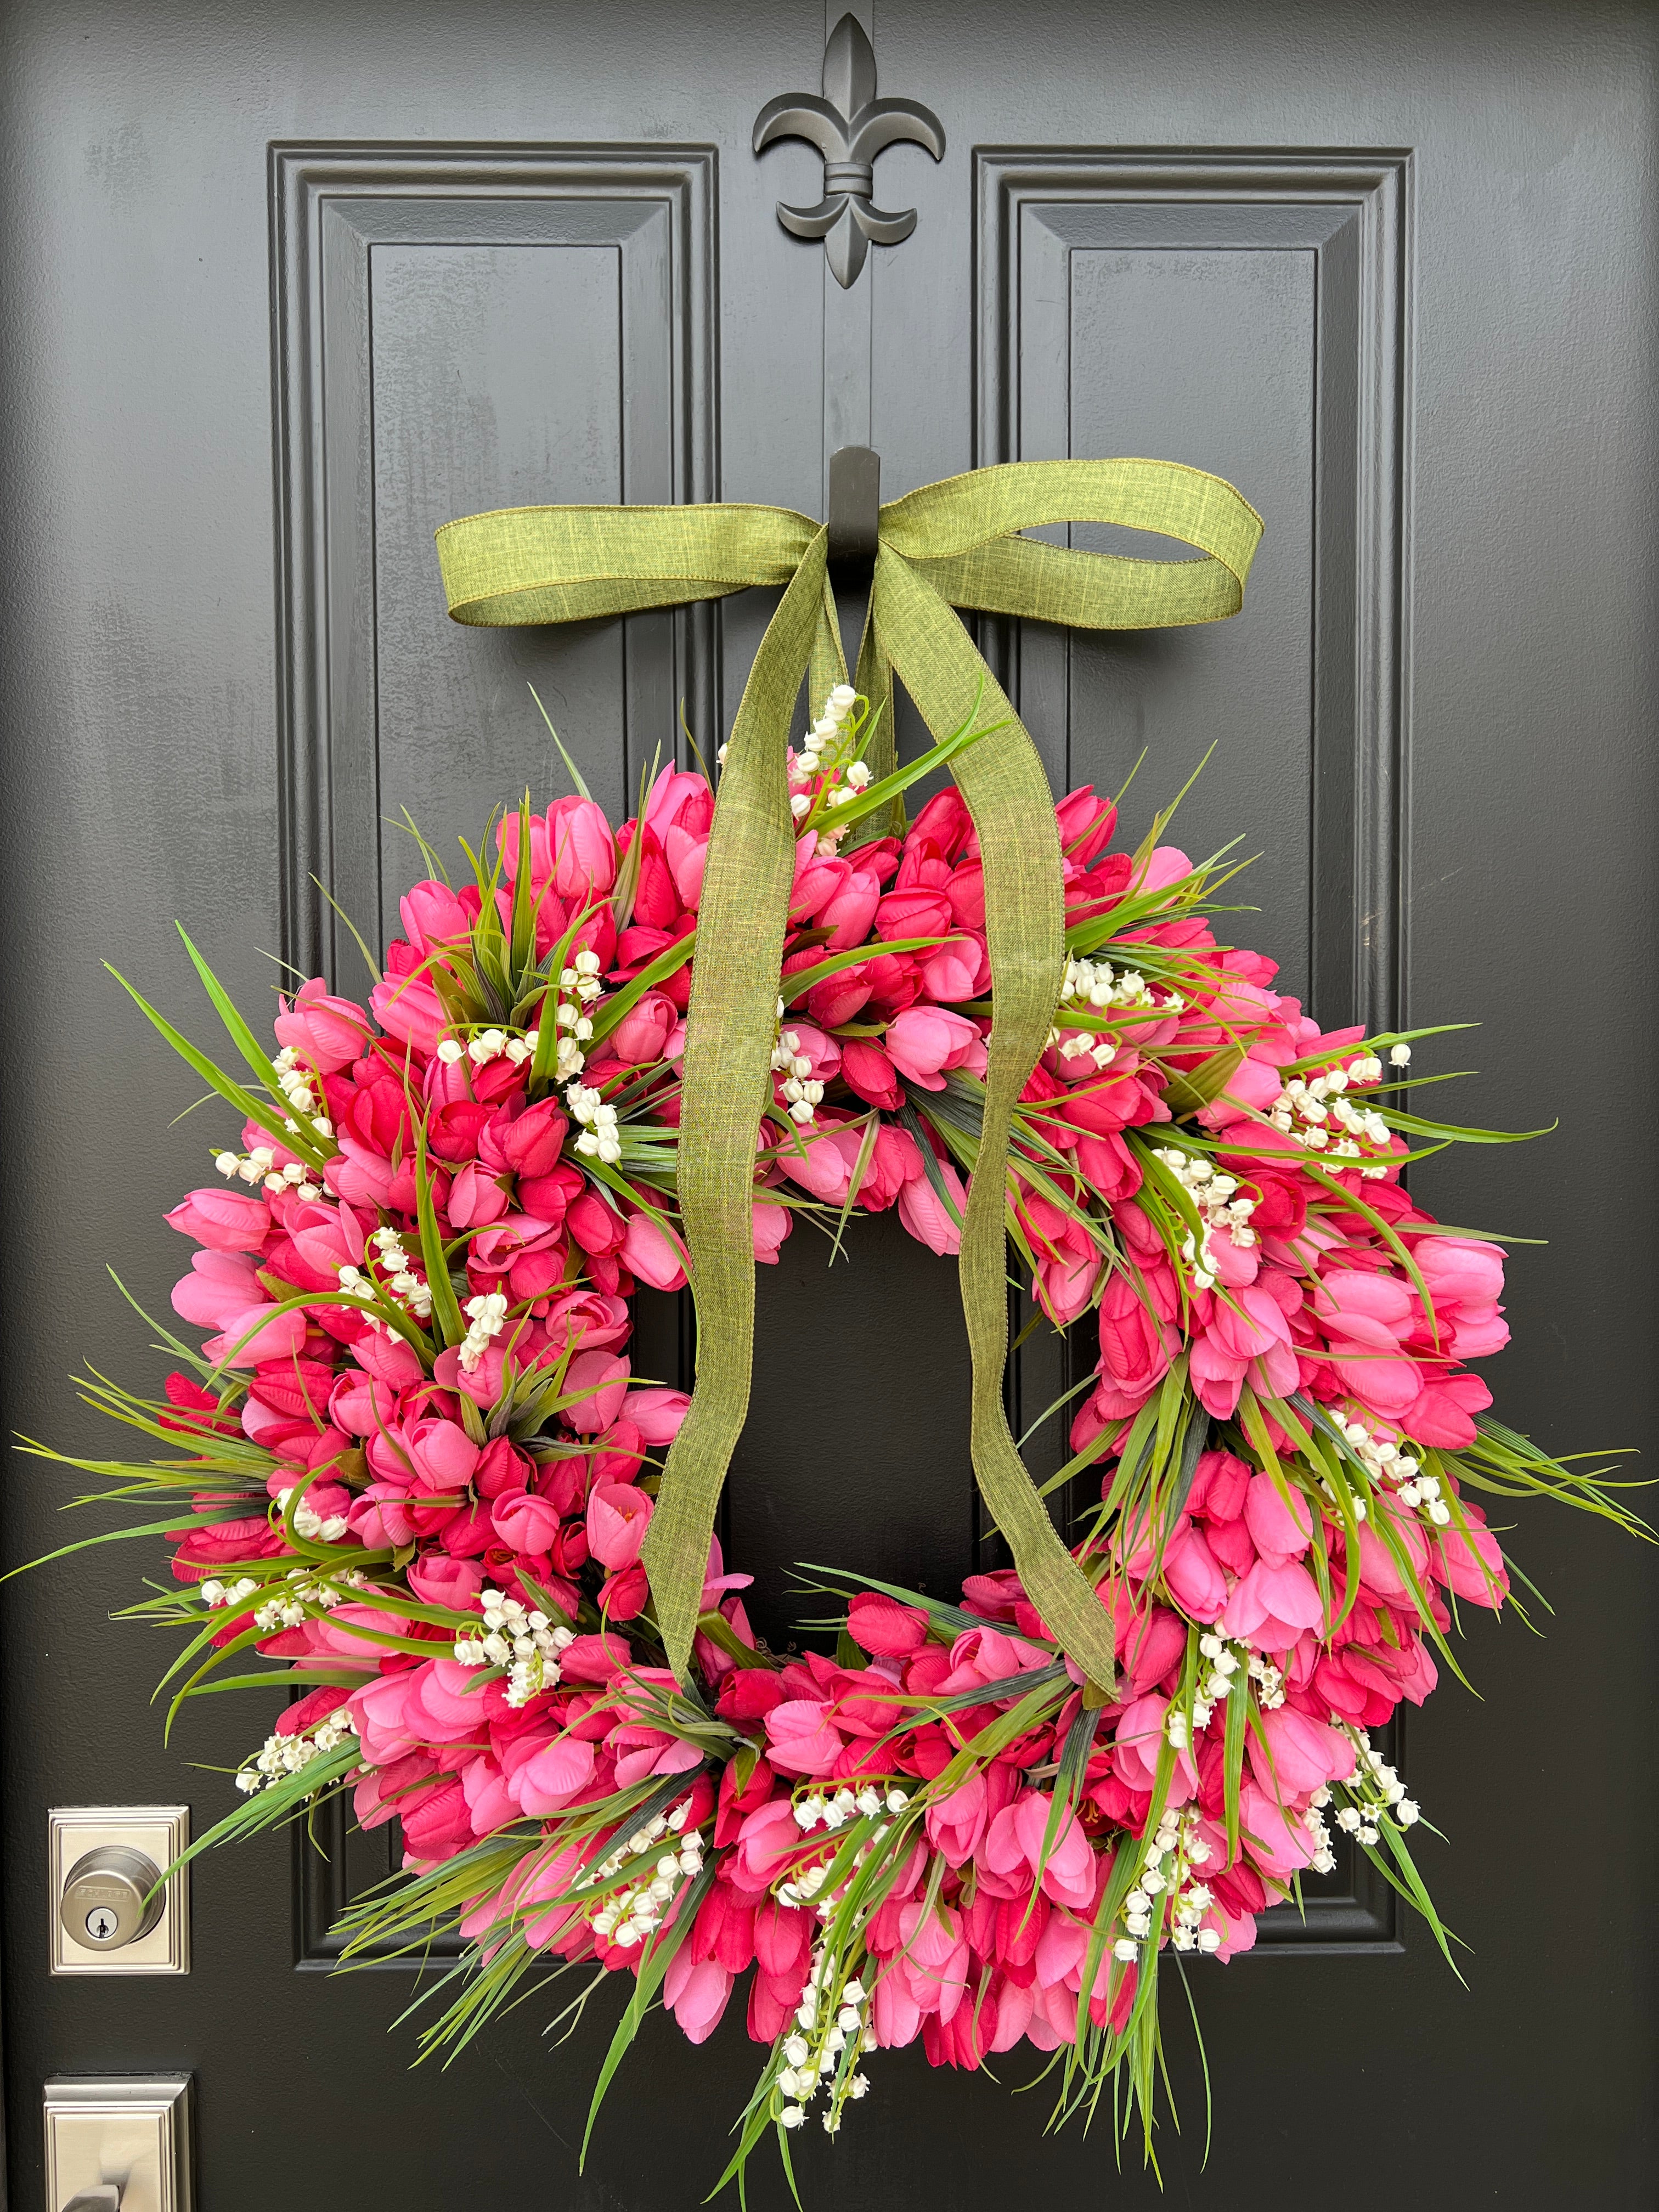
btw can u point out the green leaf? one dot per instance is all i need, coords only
(667, 963)
(235, 1028)
(1196, 1087)
(571, 768)
(247, 1106)
(796, 985)
(445, 1308)
(654, 1962)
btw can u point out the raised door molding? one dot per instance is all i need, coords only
(411, 283)
(1039, 212)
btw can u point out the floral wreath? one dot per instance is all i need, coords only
(411, 1463)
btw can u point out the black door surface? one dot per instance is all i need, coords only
(1387, 269)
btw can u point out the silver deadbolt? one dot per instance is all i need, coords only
(112, 1897)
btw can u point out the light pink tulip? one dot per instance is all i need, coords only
(924, 1043)
(648, 1254)
(224, 1220)
(696, 1991)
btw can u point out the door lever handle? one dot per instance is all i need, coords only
(104, 2199)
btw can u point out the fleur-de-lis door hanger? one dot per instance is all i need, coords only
(849, 126)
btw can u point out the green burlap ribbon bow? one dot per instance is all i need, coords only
(948, 546)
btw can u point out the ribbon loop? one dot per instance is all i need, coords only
(948, 546)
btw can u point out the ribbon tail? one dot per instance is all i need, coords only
(1002, 780)
(730, 1031)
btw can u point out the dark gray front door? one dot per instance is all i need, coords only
(1385, 269)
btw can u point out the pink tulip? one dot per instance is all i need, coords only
(895, 2016)
(958, 970)
(442, 1453)
(1136, 1348)
(1015, 1841)
(224, 1220)
(641, 1037)
(525, 1523)
(1443, 1412)
(548, 1780)
(933, 1962)
(766, 1845)
(1195, 1582)
(1139, 1743)
(956, 1825)
(678, 796)
(1473, 1566)
(433, 915)
(437, 1822)
(772, 1225)
(1065, 1283)
(583, 850)
(488, 1804)
(219, 1289)
(327, 1033)
(408, 1008)
(379, 1711)
(696, 1991)
(1279, 1842)
(436, 1579)
(1278, 1528)
(1272, 1605)
(221, 1292)
(923, 1042)
(656, 1414)
(648, 1254)
(925, 1214)
(687, 858)
(1060, 1952)
(800, 1738)
(603, 1379)
(1300, 1755)
(618, 1515)
(326, 1238)
(849, 912)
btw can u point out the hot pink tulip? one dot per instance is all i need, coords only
(1278, 1528)
(870, 1075)
(881, 1626)
(433, 915)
